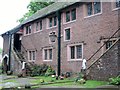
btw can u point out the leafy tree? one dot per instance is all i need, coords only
(33, 7)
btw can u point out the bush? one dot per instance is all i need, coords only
(115, 81)
(37, 70)
(50, 71)
(1, 69)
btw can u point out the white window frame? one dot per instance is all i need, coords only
(47, 54)
(103, 42)
(31, 56)
(65, 34)
(85, 9)
(64, 16)
(113, 4)
(69, 52)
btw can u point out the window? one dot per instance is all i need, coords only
(67, 34)
(67, 16)
(31, 55)
(40, 25)
(108, 44)
(75, 52)
(28, 29)
(89, 9)
(117, 3)
(55, 21)
(93, 8)
(37, 26)
(73, 14)
(50, 22)
(47, 53)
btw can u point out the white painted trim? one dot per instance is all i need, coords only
(71, 21)
(96, 13)
(69, 52)
(31, 56)
(43, 54)
(65, 35)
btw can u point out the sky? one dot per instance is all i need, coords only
(10, 12)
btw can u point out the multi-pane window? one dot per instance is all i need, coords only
(72, 52)
(47, 53)
(31, 55)
(67, 16)
(93, 8)
(89, 9)
(40, 25)
(67, 34)
(55, 20)
(117, 3)
(50, 22)
(71, 15)
(37, 26)
(108, 44)
(75, 52)
(45, 57)
(28, 29)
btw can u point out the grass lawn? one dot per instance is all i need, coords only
(67, 82)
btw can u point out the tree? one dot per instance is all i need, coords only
(0, 50)
(33, 7)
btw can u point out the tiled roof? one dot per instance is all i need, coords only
(48, 10)
(42, 13)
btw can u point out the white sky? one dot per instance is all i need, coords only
(10, 12)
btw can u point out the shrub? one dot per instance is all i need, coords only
(50, 71)
(38, 70)
(115, 81)
(1, 69)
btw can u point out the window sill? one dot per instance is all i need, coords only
(47, 60)
(66, 40)
(31, 60)
(52, 27)
(93, 15)
(38, 31)
(70, 22)
(116, 9)
(75, 60)
(28, 34)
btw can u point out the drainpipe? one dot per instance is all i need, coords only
(59, 43)
(9, 59)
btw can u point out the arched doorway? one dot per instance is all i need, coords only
(5, 63)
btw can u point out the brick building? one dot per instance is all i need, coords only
(89, 30)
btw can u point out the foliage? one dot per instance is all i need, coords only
(1, 69)
(115, 81)
(33, 7)
(0, 50)
(37, 70)
(49, 71)
(80, 76)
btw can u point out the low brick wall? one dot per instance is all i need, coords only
(108, 65)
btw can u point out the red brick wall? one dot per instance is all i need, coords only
(88, 30)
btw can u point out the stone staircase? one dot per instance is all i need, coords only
(107, 64)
